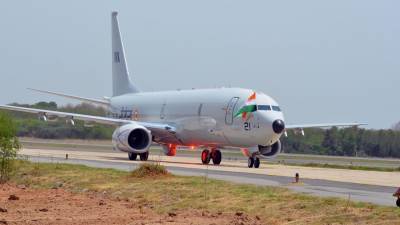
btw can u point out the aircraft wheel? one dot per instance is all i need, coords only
(256, 163)
(205, 156)
(216, 156)
(144, 156)
(250, 162)
(132, 156)
(398, 202)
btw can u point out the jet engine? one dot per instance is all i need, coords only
(270, 151)
(132, 138)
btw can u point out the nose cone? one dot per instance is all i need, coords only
(278, 126)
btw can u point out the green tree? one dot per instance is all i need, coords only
(331, 141)
(9, 146)
(348, 141)
(45, 105)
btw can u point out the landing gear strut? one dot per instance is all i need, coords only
(215, 155)
(253, 162)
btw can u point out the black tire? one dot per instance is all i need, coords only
(398, 202)
(216, 156)
(256, 163)
(144, 156)
(205, 156)
(132, 156)
(250, 162)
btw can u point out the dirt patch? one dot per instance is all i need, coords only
(58, 206)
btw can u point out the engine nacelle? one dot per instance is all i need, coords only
(270, 151)
(132, 138)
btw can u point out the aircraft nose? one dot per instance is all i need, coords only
(278, 126)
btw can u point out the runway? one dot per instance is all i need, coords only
(365, 186)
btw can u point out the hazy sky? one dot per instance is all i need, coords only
(323, 61)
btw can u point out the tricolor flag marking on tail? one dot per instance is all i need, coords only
(249, 107)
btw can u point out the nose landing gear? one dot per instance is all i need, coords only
(253, 162)
(215, 155)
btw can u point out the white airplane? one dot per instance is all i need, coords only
(211, 119)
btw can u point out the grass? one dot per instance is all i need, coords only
(175, 193)
(153, 170)
(350, 167)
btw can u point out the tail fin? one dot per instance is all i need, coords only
(122, 84)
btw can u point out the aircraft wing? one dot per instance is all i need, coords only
(157, 129)
(322, 125)
(88, 100)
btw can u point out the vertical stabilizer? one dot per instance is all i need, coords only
(122, 84)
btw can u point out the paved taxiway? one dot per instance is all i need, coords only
(233, 155)
(365, 186)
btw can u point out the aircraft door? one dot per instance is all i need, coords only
(162, 112)
(230, 110)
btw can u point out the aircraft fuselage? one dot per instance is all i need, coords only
(204, 117)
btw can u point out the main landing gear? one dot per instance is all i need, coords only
(253, 162)
(214, 154)
(143, 156)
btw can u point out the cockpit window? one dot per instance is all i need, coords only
(276, 108)
(268, 108)
(264, 107)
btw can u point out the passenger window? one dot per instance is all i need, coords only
(276, 108)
